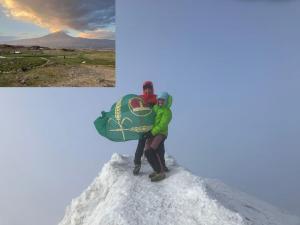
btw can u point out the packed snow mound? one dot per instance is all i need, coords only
(117, 197)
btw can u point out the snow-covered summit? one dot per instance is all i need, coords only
(116, 197)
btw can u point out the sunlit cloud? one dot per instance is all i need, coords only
(98, 34)
(55, 15)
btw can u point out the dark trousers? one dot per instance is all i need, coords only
(155, 152)
(140, 151)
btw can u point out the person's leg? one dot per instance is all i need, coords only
(153, 156)
(138, 155)
(161, 151)
(158, 145)
(150, 153)
(152, 159)
(157, 141)
(139, 151)
(158, 166)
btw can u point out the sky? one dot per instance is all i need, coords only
(34, 18)
(232, 69)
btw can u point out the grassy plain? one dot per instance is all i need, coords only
(27, 67)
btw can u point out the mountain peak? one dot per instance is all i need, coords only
(116, 196)
(58, 34)
(61, 39)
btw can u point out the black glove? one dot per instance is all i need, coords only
(148, 135)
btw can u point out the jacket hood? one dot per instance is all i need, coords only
(167, 97)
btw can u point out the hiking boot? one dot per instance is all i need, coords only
(136, 169)
(153, 174)
(158, 177)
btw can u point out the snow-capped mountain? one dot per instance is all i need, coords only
(116, 197)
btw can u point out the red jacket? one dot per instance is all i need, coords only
(150, 100)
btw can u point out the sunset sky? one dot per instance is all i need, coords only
(33, 18)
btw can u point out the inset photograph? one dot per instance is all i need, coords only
(57, 43)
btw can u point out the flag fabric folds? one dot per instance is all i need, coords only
(128, 119)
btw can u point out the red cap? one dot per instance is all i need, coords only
(148, 84)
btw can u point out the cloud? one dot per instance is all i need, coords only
(98, 34)
(81, 15)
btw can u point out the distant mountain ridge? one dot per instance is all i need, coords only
(62, 40)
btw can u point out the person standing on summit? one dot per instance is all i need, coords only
(150, 100)
(157, 135)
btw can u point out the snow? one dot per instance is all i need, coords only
(116, 197)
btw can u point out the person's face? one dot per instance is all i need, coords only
(148, 91)
(161, 102)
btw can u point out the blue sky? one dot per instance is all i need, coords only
(232, 69)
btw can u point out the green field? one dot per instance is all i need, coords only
(15, 64)
(57, 67)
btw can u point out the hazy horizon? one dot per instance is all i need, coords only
(4, 40)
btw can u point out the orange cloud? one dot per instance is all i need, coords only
(19, 11)
(98, 34)
(55, 15)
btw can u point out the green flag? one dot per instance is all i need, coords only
(127, 120)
